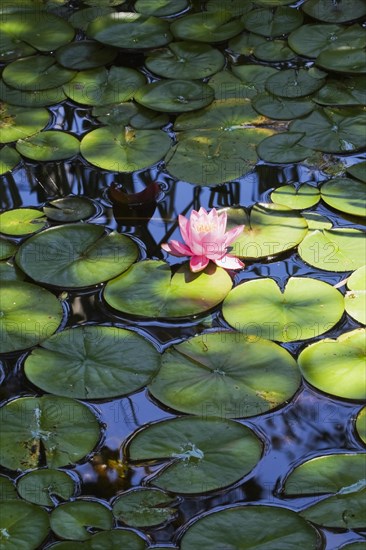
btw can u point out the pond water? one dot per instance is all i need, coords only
(306, 424)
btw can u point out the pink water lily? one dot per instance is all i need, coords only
(205, 239)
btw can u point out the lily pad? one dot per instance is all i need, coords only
(270, 229)
(272, 22)
(254, 77)
(345, 511)
(98, 362)
(337, 366)
(283, 148)
(20, 122)
(29, 315)
(309, 40)
(38, 72)
(9, 272)
(343, 59)
(358, 171)
(116, 539)
(124, 150)
(316, 222)
(298, 198)
(188, 60)
(35, 98)
(49, 145)
(74, 520)
(355, 298)
(350, 91)
(174, 96)
(7, 248)
(46, 487)
(293, 83)
(207, 27)
(235, 7)
(22, 525)
(361, 424)
(130, 114)
(280, 108)
(225, 373)
(346, 195)
(196, 455)
(305, 309)
(160, 8)
(246, 42)
(246, 527)
(339, 249)
(48, 430)
(335, 12)
(129, 30)
(85, 54)
(70, 209)
(22, 221)
(274, 51)
(144, 507)
(76, 255)
(148, 289)
(80, 19)
(7, 489)
(9, 158)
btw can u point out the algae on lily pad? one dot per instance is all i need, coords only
(98, 362)
(74, 520)
(9, 158)
(355, 298)
(21, 221)
(346, 195)
(21, 122)
(196, 455)
(174, 96)
(48, 430)
(46, 486)
(49, 145)
(337, 366)
(298, 198)
(225, 373)
(144, 507)
(76, 255)
(70, 209)
(305, 309)
(22, 525)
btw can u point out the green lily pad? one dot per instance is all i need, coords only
(305, 309)
(80, 19)
(332, 130)
(11, 48)
(272, 22)
(35, 98)
(346, 195)
(70, 209)
(207, 27)
(309, 40)
(46, 487)
(335, 12)
(10, 272)
(246, 527)
(104, 87)
(73, 520)
(124, 150)
(280, 108)
(350, 91)
(316, 222)
(85, 54)
(355, 298)
(7, 248)
(345, 511)
(188, 60)
(270, 229)
(339, 249)
(38, 72)
(7, 489)
(9, 158)
(283, 148)
(144, 507)
(298, 198)
(361, 424)
(29, 315)
(292, 83)
(343, 59)
(214, 156)
(54, 430)
(98, 362)
(337, 366)
(358, 171)
(326, 474)
(49, 145)
(175, 96)
(22, 221)
(116, 539)
(130, 114)
(148, 289)
(22, 525)
(355, 546)
(274, 51)
(254, 77)
(246, 42)
(225, 371)
(160, 8)
(235, 7)
(129, 30)
(76, 255)
(227, 86)
(197, 454)
(103, 3)
(20, 122)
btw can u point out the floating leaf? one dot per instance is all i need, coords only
(305, 309)
(74, 520)
(293, 83)
(225, 371)
(70, 209)
(29, 315)
(22, 525)
(345, 511)
(49, 145)
(85, 54)
(280, 108)
(9, 272)
(235, 7)
(355, 546)
(355, 298)
(334, 12)
(116, 539)
(76, 255)
(297, 198)
(207, 26)
(174, 96)
(80, 19)
(246, 527)
(197, 455)
(309, 40)
(343, 59)
(346, 195)
(316, 222)
(358, 171)
(361, 424)
(50, 430)
(45, 487)
(337, 366)
(339, 249)
(160, 8)
(274, 50)
(38, 72)
(9, 158)
(7, 489)
(20, 122)
(7, 248)
(349, 91)
(144, 507)
(98, 362)
(148, 289)
(246, 42)
(272, 22)
(130, 114)
(253, 77)
(283, 148)
(22, 221)
(35, 98)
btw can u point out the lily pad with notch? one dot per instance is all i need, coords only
(196, 455)
(310, 39)
(271, 22)
(283, 148)
(349, 91)
(274, 51)
(345, 510)
(246, 42)
(144, 507)
(20, 122)
(355, 297)
(335, 12)
(280, 108)
(298, 198)
(46, 487)
(48, 430)
(254, 77)
(130, 114)
(23, 525)
(9, 158)
(294, 83)
(160, 8)
(74, 520)
(31, 98)
(37, 72)
(85, 54)
(76, 255)
(70, 209)
(346, 195)
(22, 221)
(174, 96)
(49, 145)
(207, 27)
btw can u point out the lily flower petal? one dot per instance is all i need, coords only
(184, 226)
(229, 262)
(198, 263)
(176, 248)
(233, 234)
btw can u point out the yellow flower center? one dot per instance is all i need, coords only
(205, 227)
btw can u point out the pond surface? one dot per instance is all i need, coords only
(312, 420)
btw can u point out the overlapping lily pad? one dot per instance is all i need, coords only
(309, 40)
(174, 96)
(358, 171)
(76, 255)
(345, 510)
(22, 221)
(98, 362)
(355, 298)
(305, 309)
(48, 430)
(29, 315)
(144, 507)
(246, 42)
(298, 198)
(345, 194)
(349, 91)
(7, 248)
(80, 19)
(148, 289)
(207, 27)
(337, 366)
(280, 108)
(70, 209)
(286, 147)
(20, 122)
(10, 272)
(7, 489)
(160, 8)
(274, 51)
(22, 525)
(46, 486)
(254, 77)
(49, 145)
(235, 7)
(85, 54)
(339, 12)
(28, 98)
(292, 83)
(38, 72)
(226, 373)
(9, 158)
(196, 455)
(74, 520)
(361, 424)
(272, 22)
